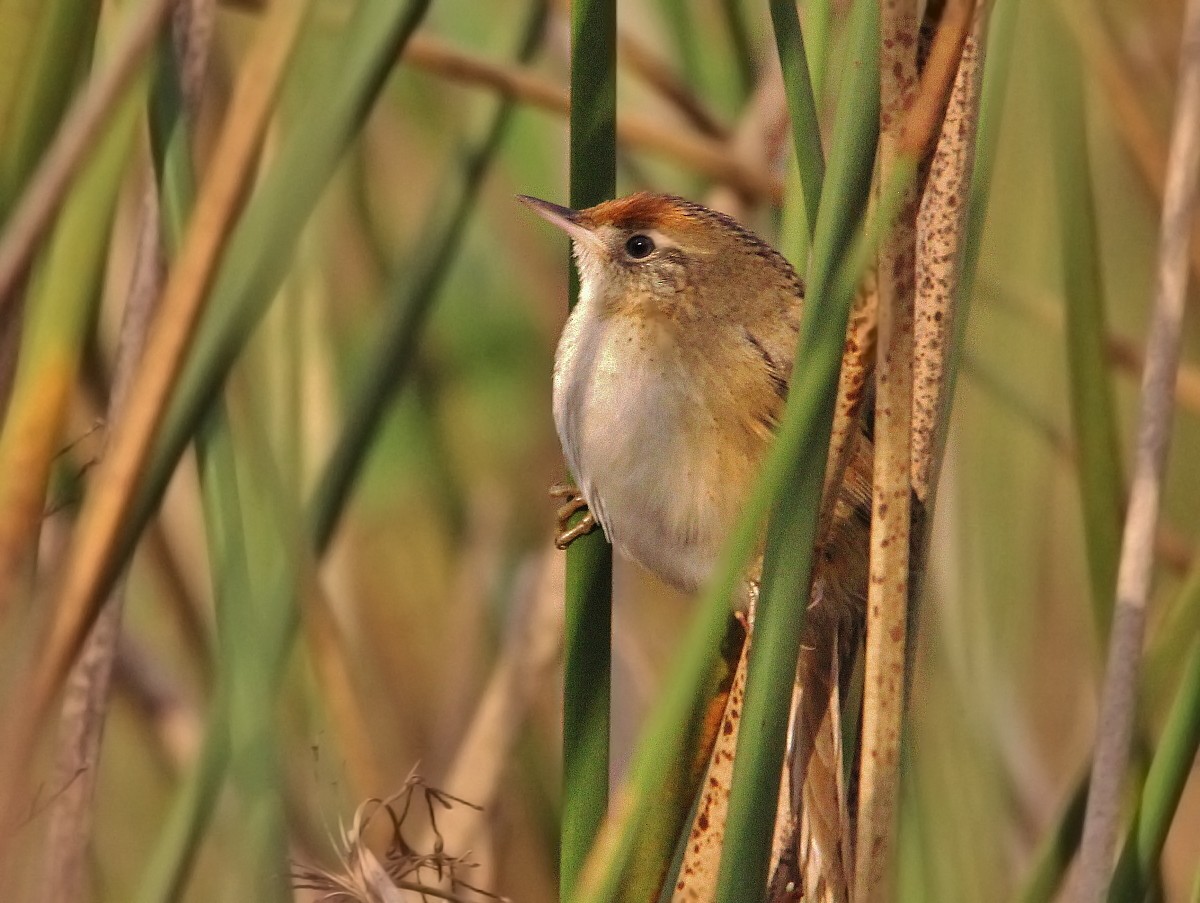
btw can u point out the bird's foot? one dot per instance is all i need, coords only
(573, 502)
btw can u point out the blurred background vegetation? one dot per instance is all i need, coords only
(430, 636)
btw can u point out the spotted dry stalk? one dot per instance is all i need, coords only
(941, 228)
(858, 363)
(697, 882)
(1119, 694)
(887, 596)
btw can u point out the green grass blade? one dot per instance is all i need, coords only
(587, 653)
(680, 15)
(1057, 851)
(806, 128)
(818, 19)
(259, 252)
(62, 31)
(191, 812)
(739, 36)
(1172, 764)
(411, 296)
(1093, 414)
(243, 631)
(63, 296)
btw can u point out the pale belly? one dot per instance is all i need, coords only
(645, 450)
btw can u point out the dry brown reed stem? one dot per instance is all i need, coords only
(1172, 548)
(887, 594)
(76, 136)
(528, 657)
(151, 688)
(1124, 353)
(756, 142)
(701, 154)
(1130, 117)
(220, 197)
(659, 75)
(923, 120)
(85, 700)
(1118, 697)
(941, 227)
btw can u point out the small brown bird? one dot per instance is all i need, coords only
(671, 373)
(670, 378)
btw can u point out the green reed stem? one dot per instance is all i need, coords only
(588, 643)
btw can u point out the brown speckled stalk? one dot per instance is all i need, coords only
(941, 224)
(887, 597)
(697, 881)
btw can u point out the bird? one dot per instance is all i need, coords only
(670, 379)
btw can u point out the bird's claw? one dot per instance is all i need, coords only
(574, 501)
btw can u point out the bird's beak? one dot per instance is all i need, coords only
(565, 218)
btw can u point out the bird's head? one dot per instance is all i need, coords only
(656, 254)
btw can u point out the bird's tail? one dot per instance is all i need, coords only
(822, 797)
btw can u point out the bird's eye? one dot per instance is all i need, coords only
(639, 246)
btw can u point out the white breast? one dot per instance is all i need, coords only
(641, 444)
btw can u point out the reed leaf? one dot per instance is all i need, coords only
(258, 256)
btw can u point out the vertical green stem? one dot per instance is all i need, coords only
(587, 678)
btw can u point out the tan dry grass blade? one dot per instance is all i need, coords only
(526, 663)
(219, 199)
(756, 142)
(941, 225)
(1119, 694)
(658, 74)
(75, 138)
(85, 700)
(1131, 117)
(697, 882)
(1122, 351)
(817, 795)
(700, 153)
(887, 596)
